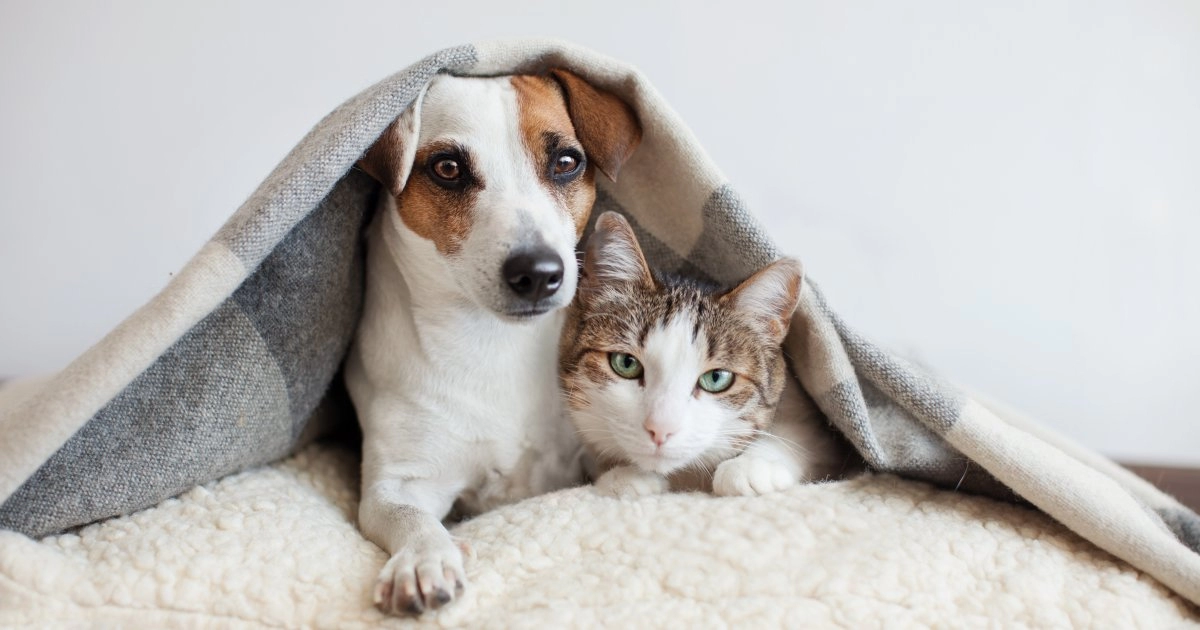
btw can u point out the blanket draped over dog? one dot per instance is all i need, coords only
(235, 363)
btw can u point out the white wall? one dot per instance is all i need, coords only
(1009, 190)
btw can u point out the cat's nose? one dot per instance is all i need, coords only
(659, 435)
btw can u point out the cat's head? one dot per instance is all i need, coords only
(666, 372)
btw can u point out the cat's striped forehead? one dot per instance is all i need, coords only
(683, 309)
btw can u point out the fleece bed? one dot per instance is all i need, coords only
(235, 365)
(277, 547)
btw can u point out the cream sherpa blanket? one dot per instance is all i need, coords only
(277, 547)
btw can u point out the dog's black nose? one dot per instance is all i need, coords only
(534, 273)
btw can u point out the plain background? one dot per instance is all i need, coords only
(1008, 191)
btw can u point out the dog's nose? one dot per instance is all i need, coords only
(535, 273)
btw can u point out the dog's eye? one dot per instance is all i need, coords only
(447, 169)
(566, 164)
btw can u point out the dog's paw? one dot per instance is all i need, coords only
(631, 482)
(423, 576)
(747, 475)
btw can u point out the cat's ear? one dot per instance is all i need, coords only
(770, 295)
(613, 255)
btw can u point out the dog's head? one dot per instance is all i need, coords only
(498, 174)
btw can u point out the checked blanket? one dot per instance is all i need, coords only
(236, 362)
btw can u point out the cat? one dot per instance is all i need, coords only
(674, 383)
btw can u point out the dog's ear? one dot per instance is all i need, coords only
(770, 296)
(613, 256)
(390, 159)
(606, 125)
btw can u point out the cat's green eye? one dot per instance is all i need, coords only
(625, 365)
(716, 381)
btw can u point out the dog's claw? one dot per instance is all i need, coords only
(383, 592)
(420, 578)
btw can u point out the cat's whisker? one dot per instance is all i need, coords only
(595, 429)
(735, 433)
(701, 464)
(597, 432)
(794, 447)
(781, 439)
(605, 451)
(711, 462)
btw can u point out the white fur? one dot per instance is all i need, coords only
(456, 400)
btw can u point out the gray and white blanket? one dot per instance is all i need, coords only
(235, 363)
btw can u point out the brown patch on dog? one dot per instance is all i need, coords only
(435, 213)
(383, 160)
(546, 129)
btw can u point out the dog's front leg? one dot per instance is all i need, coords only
(426, 568)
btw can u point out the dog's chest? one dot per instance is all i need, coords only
(520, 445)
(521, 469)
(508, 429)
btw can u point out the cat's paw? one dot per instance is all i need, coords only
(631, 482)
(746, 475)
(425, 575)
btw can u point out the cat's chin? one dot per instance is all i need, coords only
(660, 464)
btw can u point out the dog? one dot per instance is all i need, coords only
(486, 187)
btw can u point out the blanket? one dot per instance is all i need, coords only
(235, 363)
(277, 547)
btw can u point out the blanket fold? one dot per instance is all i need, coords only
(228, 367)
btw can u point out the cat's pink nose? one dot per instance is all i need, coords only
(658, 434)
